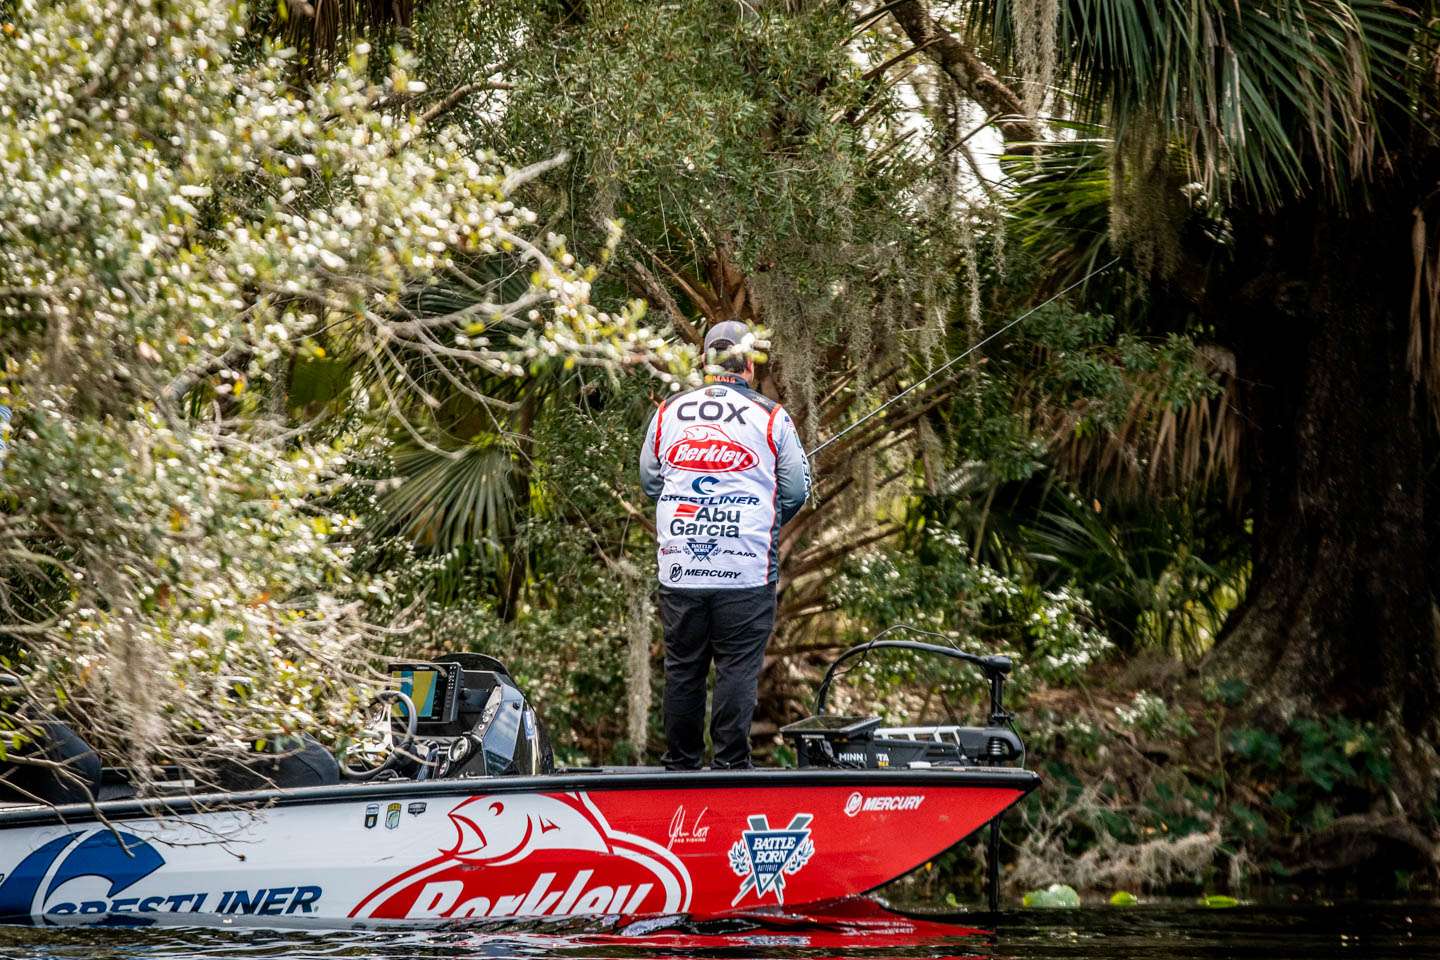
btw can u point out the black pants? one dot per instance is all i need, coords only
(730, 627)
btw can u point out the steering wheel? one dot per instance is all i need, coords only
(377, 742)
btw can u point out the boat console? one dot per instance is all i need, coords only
(459, 715)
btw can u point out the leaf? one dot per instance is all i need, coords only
(1216, 901)
(1055, 896)
(1122, 898)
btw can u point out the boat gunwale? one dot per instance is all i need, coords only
(590, 780)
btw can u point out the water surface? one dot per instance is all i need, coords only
(1154, 933)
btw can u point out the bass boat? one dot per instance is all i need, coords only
(463, 816)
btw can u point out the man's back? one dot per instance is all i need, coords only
(726, 469)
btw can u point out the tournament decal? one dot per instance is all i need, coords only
(709, 449)
(763, 857)
(534, 855)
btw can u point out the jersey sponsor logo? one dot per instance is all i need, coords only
(710, 573)
(694, 521)
(727, 552)
(711, 410)
(690, 511)
(726, 499)
(701, 550)
(704, 498)
(677, 570)
(536, 855)
(764, 856)
(87, 874)
(708, 449)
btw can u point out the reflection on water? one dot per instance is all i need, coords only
(1153, 933)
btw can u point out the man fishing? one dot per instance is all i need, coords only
(726, 469)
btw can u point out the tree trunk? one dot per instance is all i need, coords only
(1340, 616)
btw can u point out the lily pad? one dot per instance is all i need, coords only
(1217, 901)
(1057, 895)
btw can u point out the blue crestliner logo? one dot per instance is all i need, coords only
(119, 857)
(763, 857)
(37, 886)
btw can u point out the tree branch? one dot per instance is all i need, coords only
(453, 98)
(656, 292)
(968, 72)
(187, 379)
(825, 556)
(524, 175)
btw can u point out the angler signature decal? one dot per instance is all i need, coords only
(694, 831)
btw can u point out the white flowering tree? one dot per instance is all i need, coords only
(179, 223)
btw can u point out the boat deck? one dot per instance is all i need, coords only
(589, 779)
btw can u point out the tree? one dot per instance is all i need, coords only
(1304, 131)
(182, 226)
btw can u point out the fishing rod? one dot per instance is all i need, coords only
(954, 360)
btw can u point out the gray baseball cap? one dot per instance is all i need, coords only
(727, 331)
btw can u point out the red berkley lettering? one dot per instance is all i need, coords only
(545, 898)
(708, 449)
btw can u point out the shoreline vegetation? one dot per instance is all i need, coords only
(328, 332)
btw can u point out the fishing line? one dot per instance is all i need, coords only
(954, 360)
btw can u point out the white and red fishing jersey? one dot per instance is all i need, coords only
(726, 469)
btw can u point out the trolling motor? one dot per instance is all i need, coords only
(860, 742)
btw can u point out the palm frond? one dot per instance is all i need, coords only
(1163, 575)
(1159, 444)
(447, 503)
(1273, 97)
(1061, 208)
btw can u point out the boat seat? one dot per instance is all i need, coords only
(22, 783)
(304, 764)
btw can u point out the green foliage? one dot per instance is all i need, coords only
(1144, 568)
(1332, 753)
(187, 235)
(726, 119)
(938, 586)
(451, 501)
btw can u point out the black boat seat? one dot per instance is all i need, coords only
(58, 743)
(302, 763)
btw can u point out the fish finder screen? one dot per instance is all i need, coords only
(426, 689)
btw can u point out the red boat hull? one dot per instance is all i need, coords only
(700, 852)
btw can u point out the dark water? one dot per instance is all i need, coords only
(1349, 931)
